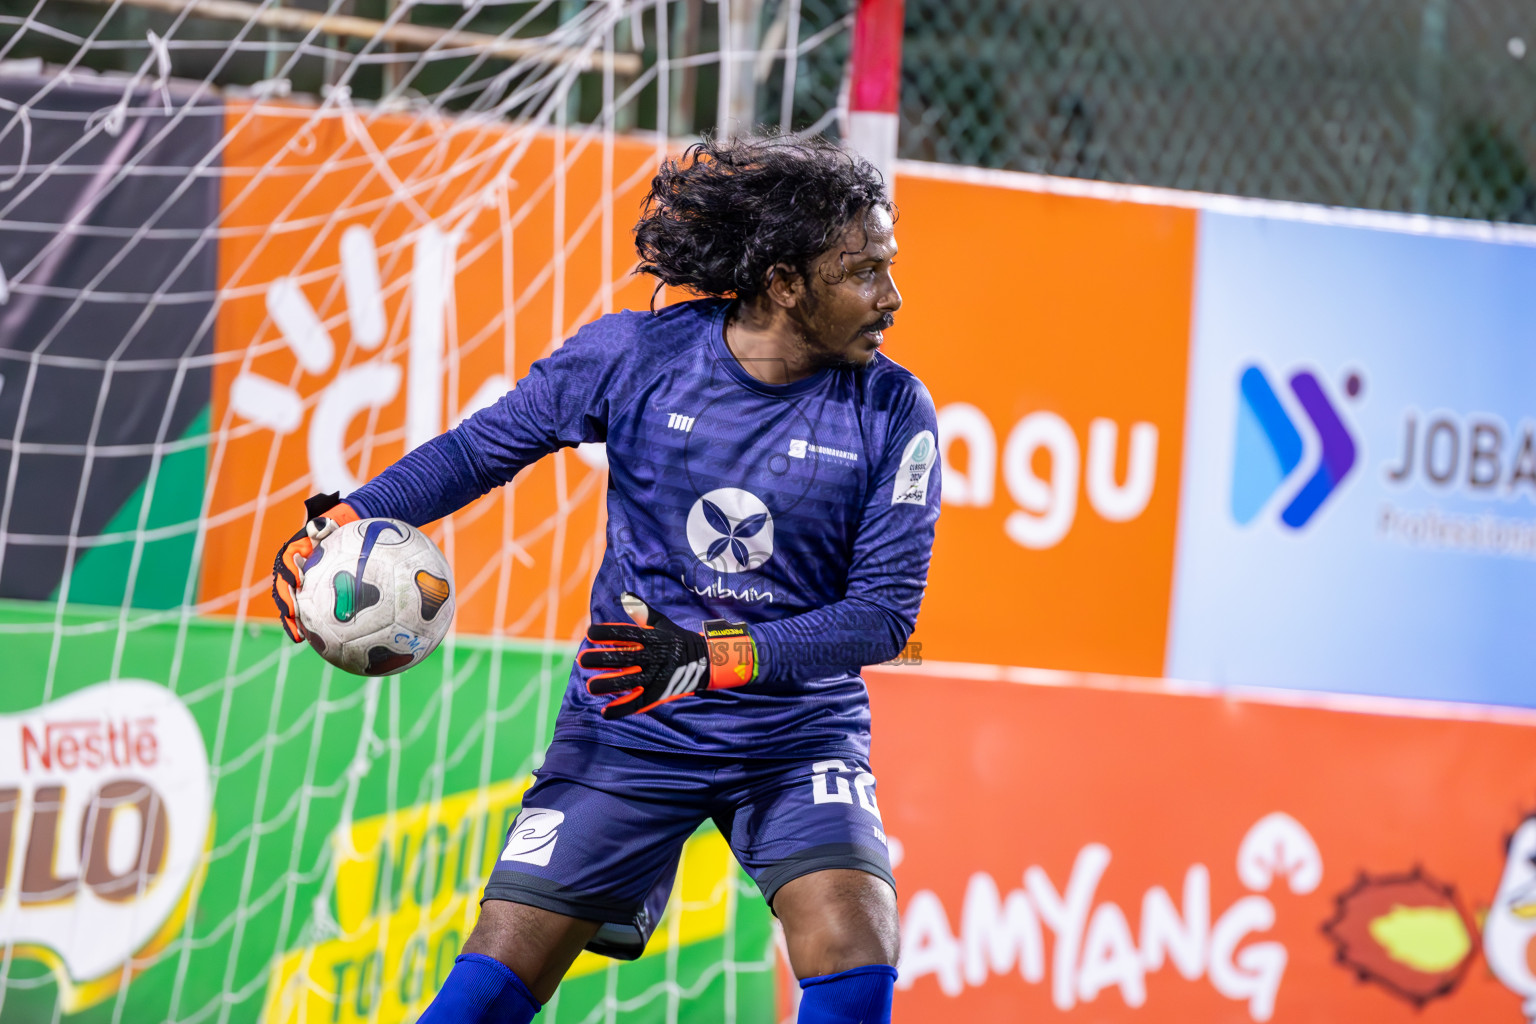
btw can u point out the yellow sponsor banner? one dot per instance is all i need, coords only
(405, 893)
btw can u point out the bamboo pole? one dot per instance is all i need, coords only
(417, 37)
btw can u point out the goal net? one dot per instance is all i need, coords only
(250, 251)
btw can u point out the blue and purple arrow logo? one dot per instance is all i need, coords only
(1269, 447)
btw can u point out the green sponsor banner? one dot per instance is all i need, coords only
(203, 822)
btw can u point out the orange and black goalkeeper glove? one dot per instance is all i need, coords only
(326, 513)
(657, 660)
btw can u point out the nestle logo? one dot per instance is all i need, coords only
(90, 745)
(1270, 448)
(105, 808)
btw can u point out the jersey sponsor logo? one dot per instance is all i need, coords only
(917, 460)
(799, 448)
(730, 530)
(677, 421)
(718, 588)
(532, 837)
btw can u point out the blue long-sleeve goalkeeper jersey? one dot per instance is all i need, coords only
(805, 510)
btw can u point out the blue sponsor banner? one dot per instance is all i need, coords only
(1359, 493)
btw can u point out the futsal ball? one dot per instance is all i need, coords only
(376, 597)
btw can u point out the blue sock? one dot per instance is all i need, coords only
(859, 996)
(483, 990)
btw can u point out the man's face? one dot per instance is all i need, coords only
(851, 298)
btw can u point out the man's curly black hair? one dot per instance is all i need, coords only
(719, 218)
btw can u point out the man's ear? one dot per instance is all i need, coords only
(786, 286)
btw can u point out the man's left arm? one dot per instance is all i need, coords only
(871, 623)
(652, 661)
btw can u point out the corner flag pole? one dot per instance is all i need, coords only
(875, 83)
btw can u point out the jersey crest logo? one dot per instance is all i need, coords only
(730, 530)
(917, 462)
(533, 835)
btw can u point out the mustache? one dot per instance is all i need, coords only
(886, 322)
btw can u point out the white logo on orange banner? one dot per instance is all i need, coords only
(533, 835)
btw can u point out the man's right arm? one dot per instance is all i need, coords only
(428, 483)
(561, 403)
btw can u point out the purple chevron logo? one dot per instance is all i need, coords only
(1269, 446)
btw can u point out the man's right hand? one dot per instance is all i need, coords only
(326, 513)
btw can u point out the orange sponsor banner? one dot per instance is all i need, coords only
(381, 278)
(1130, 853)
(1053, 333)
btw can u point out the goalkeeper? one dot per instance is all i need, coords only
(771, 507)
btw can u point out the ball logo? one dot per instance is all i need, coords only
(353, 591)
(104, 818)
(1269, 447)
(731, 530)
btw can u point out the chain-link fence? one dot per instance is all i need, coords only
(1425, 106)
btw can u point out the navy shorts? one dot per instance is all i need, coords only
(602, 828)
